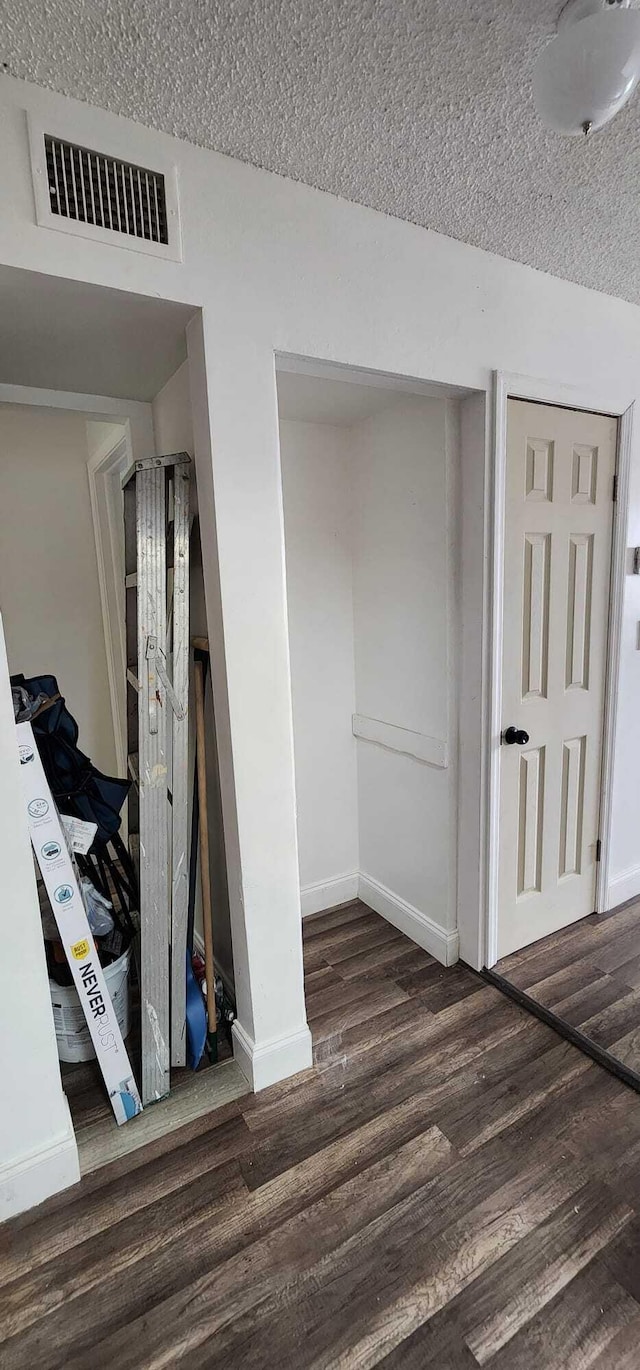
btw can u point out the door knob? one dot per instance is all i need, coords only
(515, 735)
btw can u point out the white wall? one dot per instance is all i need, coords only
(372, 620)
(316, 480)
(49, 591)
(173, 429)
(278, 267)
(404, 615)
(624, 879)
(38, 1153)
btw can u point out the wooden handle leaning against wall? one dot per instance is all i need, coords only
(201, 645)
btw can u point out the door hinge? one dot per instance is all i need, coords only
(599, 850)
(615, 488)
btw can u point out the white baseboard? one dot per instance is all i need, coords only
(264, 1063)
(418, 926)
(326, 893)
(623, 887)
(31, 1179)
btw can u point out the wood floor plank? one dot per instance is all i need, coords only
(144, 1237)
(627, 1049)
(379, 934)
(518, 1092)
(585, 1231)
(315, 980)
(624, 947)
(615, 1021)
(339, 939)
(513, 1290)
(422, 1076)
(430, 1347)
(629, 972)
(459, 1188)
(276, 1260)
(359, 1259)
(129, 1292)
(91, 1211)
(575, 1329)
(586, 1003)
(315, 960)
(358, 1304)
(451, 1185)
(426, 1087)
(561, 984)
(333, 918)
(377, 1033)
(621, 1256)
(380, 998)
(621, 1351)
(395, 958)
(338, 995)
(589, 975)
(579, 941)
(545, 958)
(460, 1031)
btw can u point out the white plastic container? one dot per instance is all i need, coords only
(72, 1034)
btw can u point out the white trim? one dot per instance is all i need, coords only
(297, 365)
(326, 894)
(612, 684)
(34, 1177)
(432, 750)
(418, 926)
(67, 127)
(265, 1063)
(497, 501)
(475, 511)
(623, 887)
(507, 386)
(109, 463)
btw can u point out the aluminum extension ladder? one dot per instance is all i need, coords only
(156, 542)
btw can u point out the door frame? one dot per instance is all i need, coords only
(506, 386)
(105, 468)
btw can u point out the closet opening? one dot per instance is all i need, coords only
(95, 384)
(370, 479)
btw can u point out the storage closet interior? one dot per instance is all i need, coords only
(369, 477)
(73, 358)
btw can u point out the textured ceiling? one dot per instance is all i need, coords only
(420, 108)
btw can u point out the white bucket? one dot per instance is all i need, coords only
(72, 1033)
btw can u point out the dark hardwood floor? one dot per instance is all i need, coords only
(450, 1186)
(589, 975)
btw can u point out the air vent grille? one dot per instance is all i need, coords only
(94, 189)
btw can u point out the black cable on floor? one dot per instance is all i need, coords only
(570, 1034)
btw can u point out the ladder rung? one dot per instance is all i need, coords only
(133, 681)
(131, 580)
(134, 767)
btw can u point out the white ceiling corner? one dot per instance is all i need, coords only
(419, 108)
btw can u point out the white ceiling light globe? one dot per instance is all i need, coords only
(589, 71)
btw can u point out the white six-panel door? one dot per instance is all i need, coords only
(558, 526)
